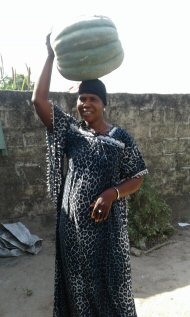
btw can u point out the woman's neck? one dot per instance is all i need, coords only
(99, 127)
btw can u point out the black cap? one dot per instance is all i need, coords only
(95, 87)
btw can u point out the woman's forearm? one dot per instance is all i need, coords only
(41, 89)
(125, 188)
(129, 186)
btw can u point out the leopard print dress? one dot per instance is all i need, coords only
(92, 263)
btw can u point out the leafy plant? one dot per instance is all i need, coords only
(16, 81)
(149, 216)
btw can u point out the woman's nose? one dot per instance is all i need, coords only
(86, 104)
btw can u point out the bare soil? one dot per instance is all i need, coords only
(161, 278)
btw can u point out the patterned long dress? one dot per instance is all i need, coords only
(92, 267)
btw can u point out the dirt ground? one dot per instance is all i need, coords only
(161, 279)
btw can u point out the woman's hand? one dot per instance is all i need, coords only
(101, 207)
(49, 47)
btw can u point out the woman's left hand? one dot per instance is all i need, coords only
(101, 207)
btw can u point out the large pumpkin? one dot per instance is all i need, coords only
(88, 48)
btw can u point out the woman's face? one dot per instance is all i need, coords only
(90, 107)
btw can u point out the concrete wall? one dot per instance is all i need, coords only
(159, 123)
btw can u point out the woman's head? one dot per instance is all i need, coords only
(95, 87)
(92, 100)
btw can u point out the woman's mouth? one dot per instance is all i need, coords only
(86, 113)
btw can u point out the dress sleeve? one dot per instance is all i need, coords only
(56, 145)
(133, 164)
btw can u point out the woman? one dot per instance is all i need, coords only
(93, 275)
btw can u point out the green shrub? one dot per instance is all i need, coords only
(149, 216)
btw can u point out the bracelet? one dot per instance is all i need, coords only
(117, 190)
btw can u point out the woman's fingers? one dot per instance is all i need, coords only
(48, 44)
(98, 214)
(101, 208)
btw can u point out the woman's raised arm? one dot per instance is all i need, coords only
(41, 89)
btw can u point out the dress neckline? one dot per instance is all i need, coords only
(86, 128)
(108, 131)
